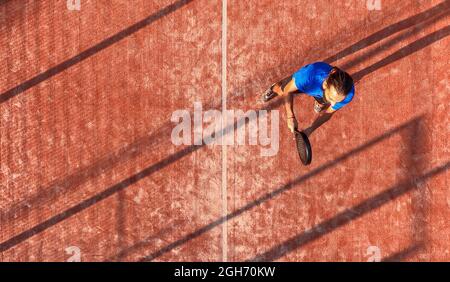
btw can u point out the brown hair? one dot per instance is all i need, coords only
(341, 81)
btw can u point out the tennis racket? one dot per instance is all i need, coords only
(303, 147)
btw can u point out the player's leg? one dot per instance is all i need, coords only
(320, 105)
(281, 88)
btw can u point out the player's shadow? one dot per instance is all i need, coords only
(413, 137)
(357, 211)
(129, 151)
(326, 226)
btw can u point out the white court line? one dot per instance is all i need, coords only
(224, 147)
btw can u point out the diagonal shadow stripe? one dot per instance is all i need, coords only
(396, 39)
(122, 185)
(390, 30)
(118, 187)
(370, 40)
(92, 51)
(414, 140)
(282, 189)
(399, 256)
(171, 159)
(405, 51)
(129, 151)
(346, 216)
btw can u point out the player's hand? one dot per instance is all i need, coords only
(292, 124)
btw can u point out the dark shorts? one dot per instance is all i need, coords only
(286, 80)
(320, 101)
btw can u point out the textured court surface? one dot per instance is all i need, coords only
(87, 161)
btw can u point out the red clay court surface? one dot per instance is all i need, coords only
(87, 161)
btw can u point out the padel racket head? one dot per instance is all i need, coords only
(303, 147)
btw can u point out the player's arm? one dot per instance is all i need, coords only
(290, 116)
(286, 89)
(289, 104)
(330, 110)
(287, 92)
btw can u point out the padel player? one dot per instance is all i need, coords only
(331, 87)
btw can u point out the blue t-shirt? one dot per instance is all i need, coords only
(309, 80)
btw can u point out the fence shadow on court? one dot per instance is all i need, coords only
(80, 177)
(436, 11)
(426, 16)
(348, 215)
(131, 151)
(330, 224)
(413, 136)
(92, 51)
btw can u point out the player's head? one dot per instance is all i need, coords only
(337, 85)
